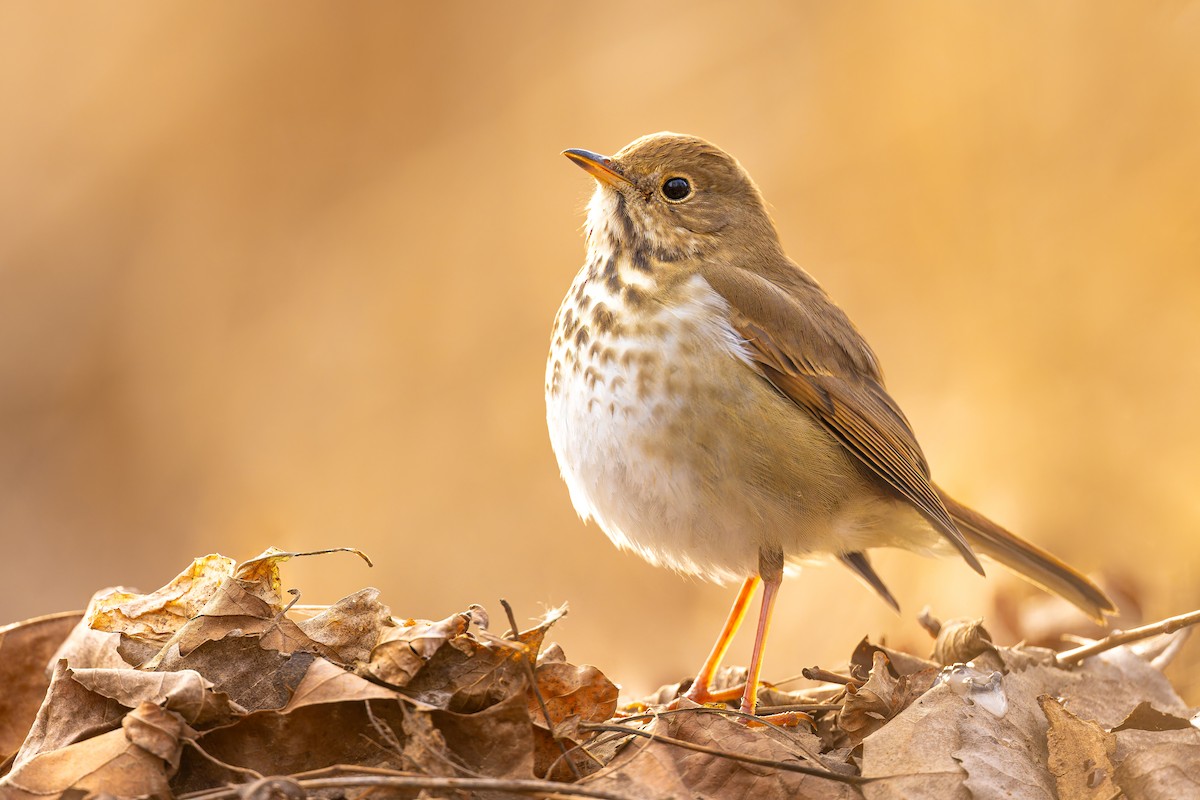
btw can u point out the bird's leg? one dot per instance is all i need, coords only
(700, 687)
(770, 567)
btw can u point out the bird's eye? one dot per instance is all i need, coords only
(676, 189)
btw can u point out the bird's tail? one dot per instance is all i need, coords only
(1029, 561)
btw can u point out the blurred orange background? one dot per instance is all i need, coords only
(284, 273)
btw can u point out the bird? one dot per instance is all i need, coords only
(713, 410)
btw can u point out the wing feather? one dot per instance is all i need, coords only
(808, 349)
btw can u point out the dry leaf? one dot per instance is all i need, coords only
(25, 650)
(261, 573)
(134, 761)
(1002, 757)
(108, 762)
(159, 614)
(404, 650)
(253, 678)
(1080, 754)
(1168, 771)
(85, 648)
(69, 713)
(185, 692)
(234, 608)
(276, 697)
(1148, 718)
(311, 737)
(916, 749)
(572, 691)
(472, 674)
(867, 708)
(572, 694)
(157, 731)
(658, 769)
(497, 741)
(424, 748)
(325, 682)
(648, 772)
(951, 744)
(1002, 730)
(552, 652)
(349, 629)
(1110, 686)
(899, 662)
(961, 640)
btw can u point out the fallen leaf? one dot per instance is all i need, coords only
(1146, 717)
(949, 743)
(657, 768)
(572, 691)
(471, 674)
(70, 713)
(867, 708)
(1169, 771)
(234, 608)
(1080, 754)
(649, 773)
(961, 640)
(572, 694)
(157, 731)
(25, 650)
(261, 573)
(132, 761)
(185, 692)
(497, 741)
(253, 677)
(1108, 687)
(915, 752)
(552, 652)
(308, 738)
(325, 682)
(1003, 759)
(899, 662)
(424, 749)
(84, 648)
(404, 650)
(159, 614)
(1003, 735)
(351, 627)
(133, 652)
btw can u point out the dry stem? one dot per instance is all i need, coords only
(1069, 658)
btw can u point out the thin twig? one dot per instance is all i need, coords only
(231, 767)
(724, 712)
(384, 730)
(286, 555)
(527, 659)
(713, 751)
(788, 738)
(807, 708)
(1069, 658)
(818, 674)
(409, 781)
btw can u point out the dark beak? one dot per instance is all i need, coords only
(602, 168)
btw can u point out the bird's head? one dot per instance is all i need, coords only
(676, 196)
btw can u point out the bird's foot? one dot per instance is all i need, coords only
(786, 719)
(699, 693)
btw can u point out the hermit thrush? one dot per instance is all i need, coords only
(714, 411)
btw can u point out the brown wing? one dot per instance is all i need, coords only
(808, 349)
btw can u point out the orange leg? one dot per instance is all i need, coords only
(699, 692)
(770, 589)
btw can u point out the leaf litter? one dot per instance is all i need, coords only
(218, 686)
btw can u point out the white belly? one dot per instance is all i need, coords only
(697, 469)
(634, 433)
